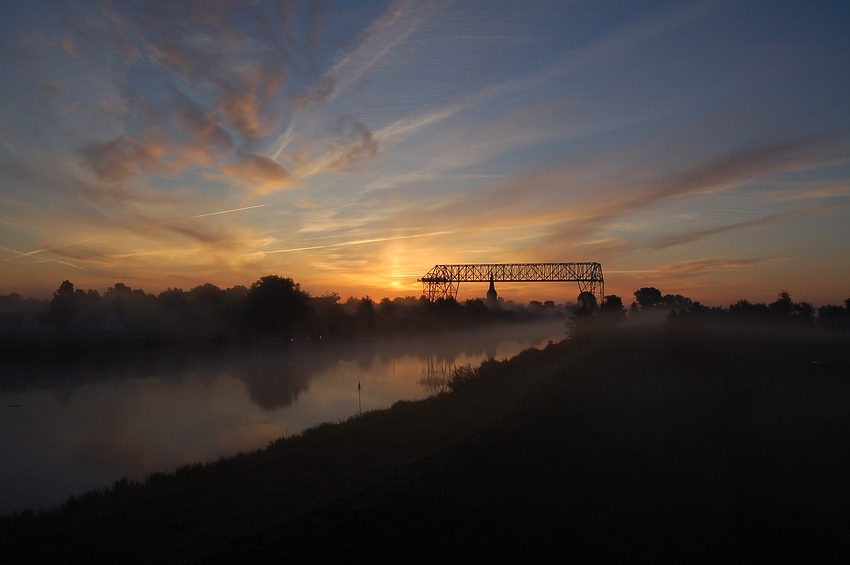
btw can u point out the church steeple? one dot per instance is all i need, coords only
(491, 294)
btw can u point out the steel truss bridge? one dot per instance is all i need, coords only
(443, 280)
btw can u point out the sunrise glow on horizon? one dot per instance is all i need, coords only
(699, 147)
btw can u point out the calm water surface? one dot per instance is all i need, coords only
(71, 439)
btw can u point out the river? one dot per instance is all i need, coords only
(69, 439)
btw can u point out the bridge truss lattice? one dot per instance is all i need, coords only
(443, 281)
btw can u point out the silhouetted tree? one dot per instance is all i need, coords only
(447, 309)
(386, 312)
(208, 296)
(782, 306)
(366, 313)
(331, 317)
(173, 299)
(746, 310)
(476, 309)
(831, 316)
(648, 296)
(804, 312)
(64, 306)
(365, 307)
(67, 303)
(327, 306)
(386, 308)
(277, 306)
(11, 301)
(786, 310)
(133, 307)
(677, 302)
(612, 308)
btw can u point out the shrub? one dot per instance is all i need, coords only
(462, 376)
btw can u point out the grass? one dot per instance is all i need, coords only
(635, 444)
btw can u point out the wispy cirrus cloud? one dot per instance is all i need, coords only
(726, 172)
(401, 19)
(674, 239)
(101, 247)
(401, 24)
(553, 218)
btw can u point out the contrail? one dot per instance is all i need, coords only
(19, 254)
(357, 242)
(37, 251)
(283, 139)
(225, 211)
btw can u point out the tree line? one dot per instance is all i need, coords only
(277, 306)
(272, 306)
(649, 302)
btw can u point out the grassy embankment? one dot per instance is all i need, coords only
(638, 444)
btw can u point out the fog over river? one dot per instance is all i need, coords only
(87, 428)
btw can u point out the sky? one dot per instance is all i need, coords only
(699, 147)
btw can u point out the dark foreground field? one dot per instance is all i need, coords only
(680, 444)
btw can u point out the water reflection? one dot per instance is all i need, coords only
(83, 425)
(275, 380)
(436, 374)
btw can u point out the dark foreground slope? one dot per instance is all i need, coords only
(640, 445)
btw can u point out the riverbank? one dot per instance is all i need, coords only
(636, 444)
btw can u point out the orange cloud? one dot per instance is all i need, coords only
(121, 158)
(242, 103)
(260, 174)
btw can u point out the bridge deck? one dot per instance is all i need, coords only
(443, 280)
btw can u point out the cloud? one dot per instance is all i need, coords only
(400, 20)
(132, 236)
(810, 190)
(359, 242)
(356, 144)
(689, 237)
(202, 128)
(726, 172)
(53, 86)
(347, 143)
(197, 233)
(121, 158)
(551, 209)
(319, 91)
(400, 24)
(257, 172)
(700, 267)
(203, 84)
(115, 195)
(243, 106)
(69, 47)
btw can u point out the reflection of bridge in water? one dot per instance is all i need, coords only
(443, 280)
(436, 374)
